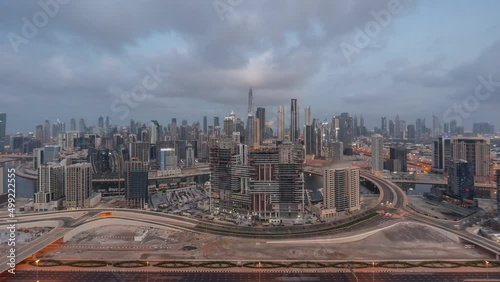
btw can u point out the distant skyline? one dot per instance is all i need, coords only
(424, 59)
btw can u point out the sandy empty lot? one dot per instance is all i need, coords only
(398, 242)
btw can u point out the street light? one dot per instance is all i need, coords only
(37, 261)
(147, 272)
(487, 274)
(373, 271)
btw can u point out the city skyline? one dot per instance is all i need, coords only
(280, 58)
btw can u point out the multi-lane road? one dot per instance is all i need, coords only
(216, 276)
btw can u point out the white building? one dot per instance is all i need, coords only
(340, 191)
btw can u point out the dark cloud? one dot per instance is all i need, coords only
(90, 52)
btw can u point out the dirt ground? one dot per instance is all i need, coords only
(405, 241)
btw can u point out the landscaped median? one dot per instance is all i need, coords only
(267, 264)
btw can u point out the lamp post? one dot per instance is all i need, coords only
(147, 271)
(37, 261)
(487, 274)
(373, 271)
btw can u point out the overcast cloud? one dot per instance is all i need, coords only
(427, 58)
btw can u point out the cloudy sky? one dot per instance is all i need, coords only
(75, 58)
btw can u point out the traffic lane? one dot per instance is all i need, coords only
(89, 276)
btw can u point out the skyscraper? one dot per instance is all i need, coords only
(436, 127)
(377, 154)
(256, 132)
(261, 115)
(340, 191)
(173, 129)
(294, 121)
(39, 132)
(46, 131)
(78, 185)
(250, 102)
(383, 126)
(100, 122)
(307, 115)
(345, 132)
(205, 125)
(106, 122)
(441, 154)
(281, 123)
(168, 158)
(72, 124)
(249, 137)
(397, 128)
(398, 159)
(136, 183)
(475, 150)
(155, 132)
(230, 124)
(50, 186)
(216, 122)
(461, 179)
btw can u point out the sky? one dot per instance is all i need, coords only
(147, 59)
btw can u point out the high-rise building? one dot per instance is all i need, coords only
(39, 132)
(155, 132)
(442, 154)
(100, 122)
(411, 132)
(168, 158)
(50, 186)
(173, 129)
(281, 123)
(336, 151)
(307, 115)
(140, 150)
(474, 150)
(230, 124)
(72, 124)
(51, 153)
(250, 131)
(461, 179)
(398, 159)
(377, 154)
(250, 101)
(78, 185)
(340, 191)
(261, 115)
(294, 121)
(216, 122)
(256, 132)
(310, 139)
(46, 131)
(205, 124)
(436, 127)
(397, 128)
(190, 154)
(483, 128)
(267, 182)
(392, 129)
(136, 184)
(345, 132)
(107, 122)
(385, 130)
(362, 120)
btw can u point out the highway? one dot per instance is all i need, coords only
(401, 203)
(195, 275)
